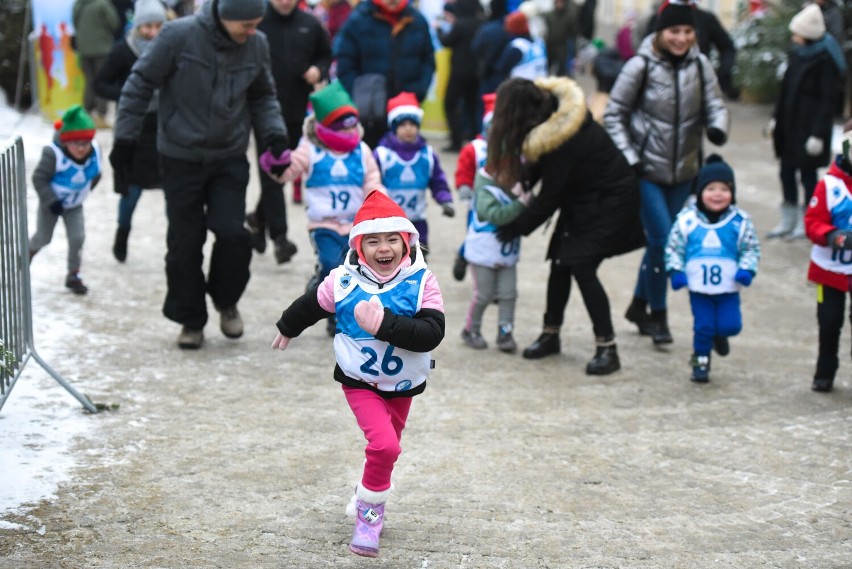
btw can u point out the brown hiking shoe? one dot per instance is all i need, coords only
(230, 321)
(190, 338)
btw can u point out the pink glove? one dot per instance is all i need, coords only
(274, 165)
(369, 315)
(280, 342)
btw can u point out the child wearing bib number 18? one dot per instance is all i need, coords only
(713, 250)
(390, 315)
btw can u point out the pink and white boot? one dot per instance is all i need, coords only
(369, 517)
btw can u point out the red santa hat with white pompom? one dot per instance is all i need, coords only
(380, 214)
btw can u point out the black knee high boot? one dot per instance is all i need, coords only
(660, 327)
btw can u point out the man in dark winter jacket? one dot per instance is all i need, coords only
(390, 38)
(212, 73)
(301, 55)
(487, 45)
(460, 100)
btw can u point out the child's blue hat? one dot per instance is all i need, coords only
(715, 169)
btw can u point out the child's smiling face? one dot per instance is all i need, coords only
(716, 196)
(383, 252)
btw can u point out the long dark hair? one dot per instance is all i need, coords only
(520, 106)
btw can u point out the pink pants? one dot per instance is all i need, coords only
(382, 421)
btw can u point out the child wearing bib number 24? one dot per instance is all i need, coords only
(712, 250)
(390, 315)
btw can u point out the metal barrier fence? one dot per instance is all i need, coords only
(16, 314)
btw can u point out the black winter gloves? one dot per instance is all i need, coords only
(717, 136)
(122, 155)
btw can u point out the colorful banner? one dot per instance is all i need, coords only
(59, 82)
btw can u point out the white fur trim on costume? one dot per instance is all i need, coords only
(371, 497)
(401, 110)
(384, 225)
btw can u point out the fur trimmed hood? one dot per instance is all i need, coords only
(563, 123)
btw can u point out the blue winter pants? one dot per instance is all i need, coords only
(127, 205)
(330, 248)
(659, 206)
(714, 315)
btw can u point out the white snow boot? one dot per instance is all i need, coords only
(799, 230)
(789, 213)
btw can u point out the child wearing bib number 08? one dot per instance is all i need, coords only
(390, 315)
(712, 250)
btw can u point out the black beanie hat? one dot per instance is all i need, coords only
(715, 169)
(675, 13)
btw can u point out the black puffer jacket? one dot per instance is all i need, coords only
(585, 177)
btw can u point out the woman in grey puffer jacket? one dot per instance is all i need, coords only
(662, 102)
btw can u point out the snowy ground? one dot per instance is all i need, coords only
(238, 456)
(40, 419)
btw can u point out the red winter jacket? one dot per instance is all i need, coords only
(818, 225)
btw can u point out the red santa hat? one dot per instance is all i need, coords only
(404, 107)
(488, 101)
(380, 214)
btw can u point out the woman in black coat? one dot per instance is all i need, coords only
(804, 115)
(145, 173)
(586, 178)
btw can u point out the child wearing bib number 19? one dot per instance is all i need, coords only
(713, 250)
(390, 315)
(337, 169)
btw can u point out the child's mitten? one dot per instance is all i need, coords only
(369, 315)
(678, 280)
(744, 276)
(840, 239)
(276, 158)
(280, 342)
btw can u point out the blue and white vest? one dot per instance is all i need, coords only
(407, 180)
(72, 182)
(359, 354)
(480, 151)
(712, 250)
(334, 184)
(838, 202)
(481, 246)
(533, 63)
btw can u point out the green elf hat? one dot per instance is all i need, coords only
(75, 124)
(332, 103)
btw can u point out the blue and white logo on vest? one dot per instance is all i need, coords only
(346, 280)
(711, 241)
(403, 385)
